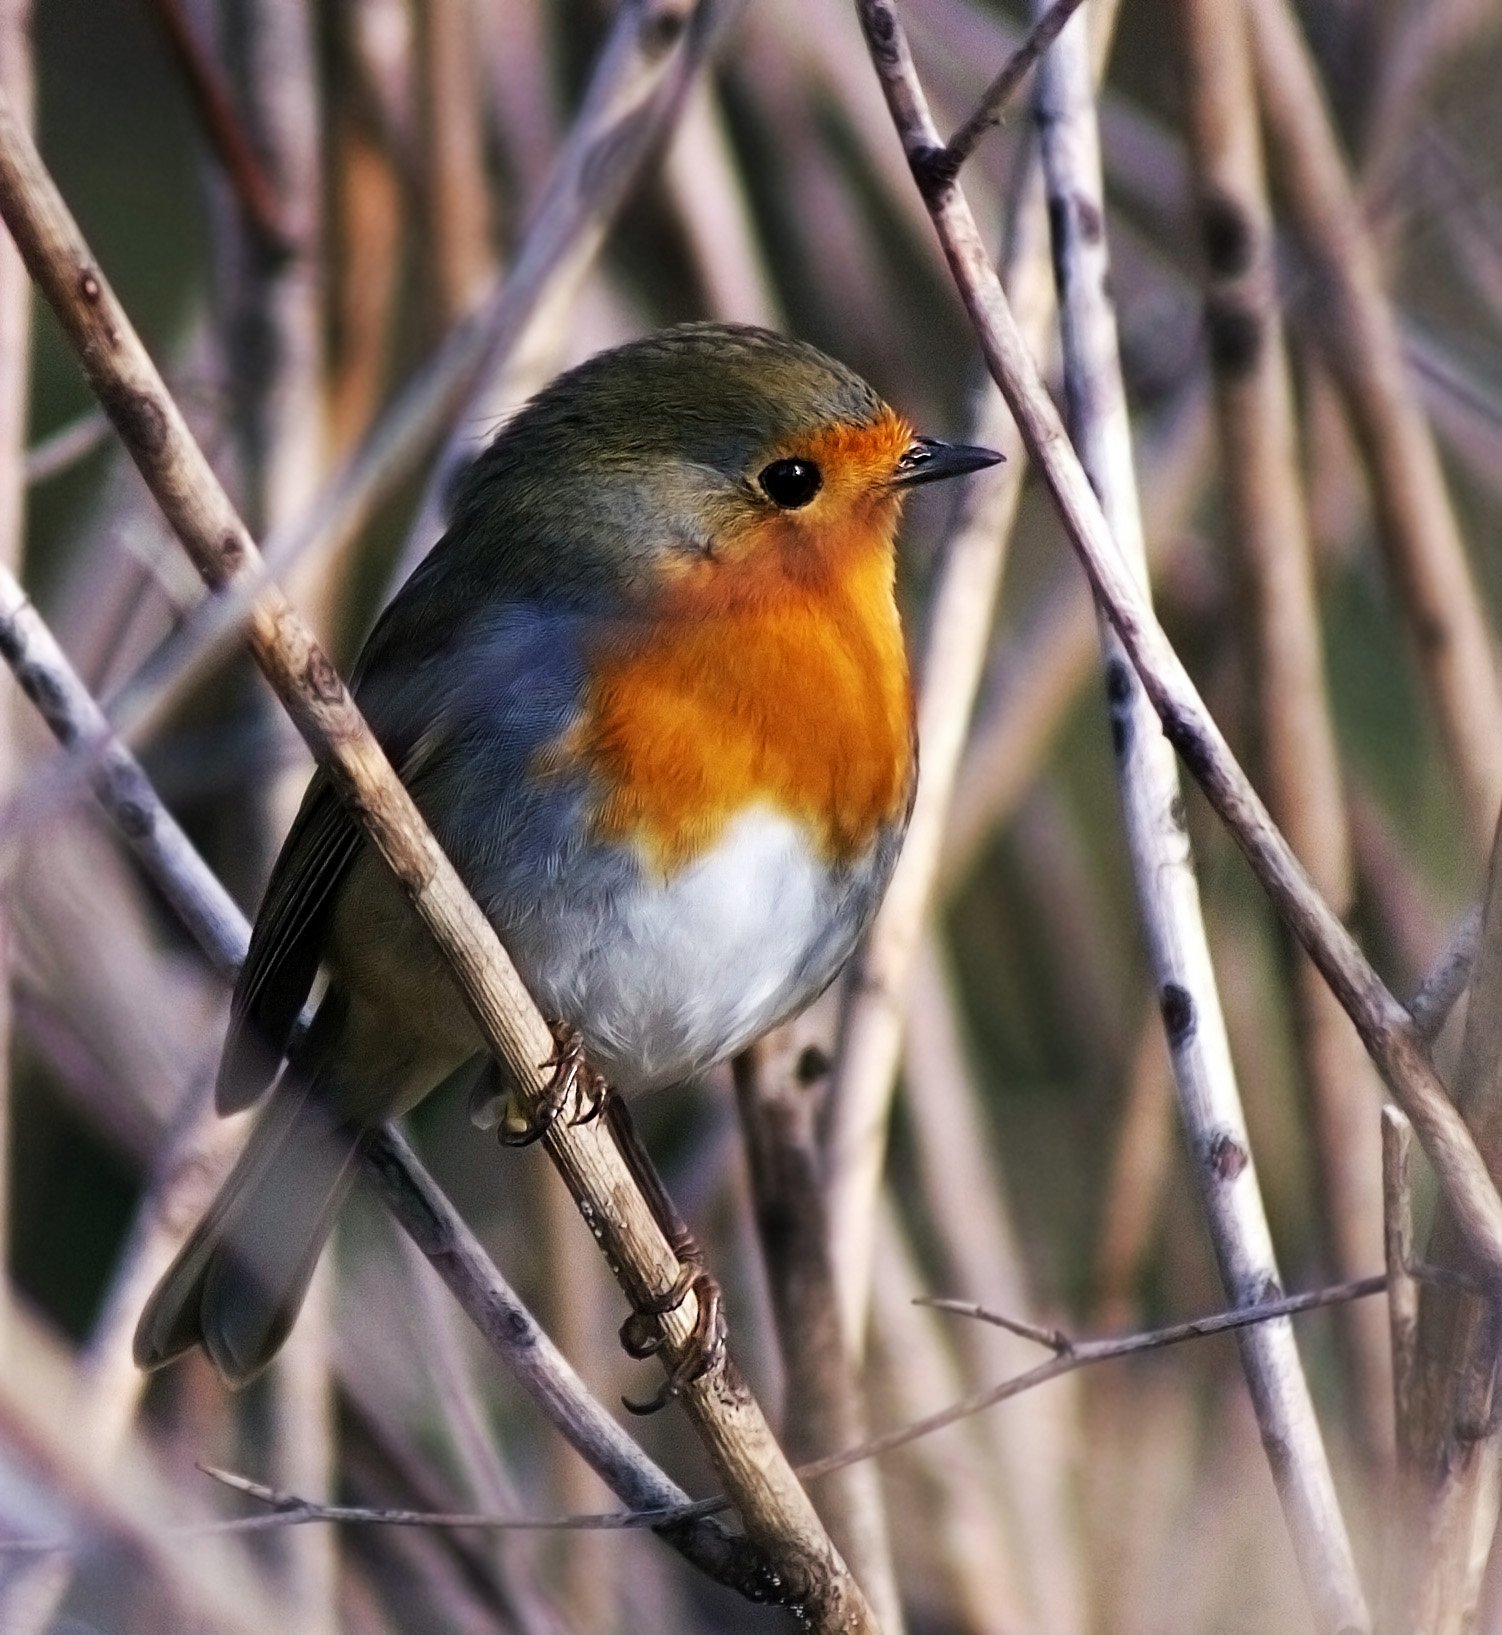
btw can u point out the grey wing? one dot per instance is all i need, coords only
(285, 945)
(460, 726)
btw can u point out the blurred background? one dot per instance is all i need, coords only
(333, 219)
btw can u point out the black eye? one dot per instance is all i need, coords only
(791, 483)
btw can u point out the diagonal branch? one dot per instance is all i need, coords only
(726, 1417)
(1385, 1026)
(1162, 859)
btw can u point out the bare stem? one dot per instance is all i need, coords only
(1000, 91)
(1355, 325)
(1384, 1025)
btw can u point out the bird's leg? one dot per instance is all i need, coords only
(640, 1334)
(572, 1079)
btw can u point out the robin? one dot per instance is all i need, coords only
(650, 692)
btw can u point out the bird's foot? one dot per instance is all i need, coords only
(573, 1081)
(641, 1333)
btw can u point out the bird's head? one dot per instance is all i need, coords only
(706, 455)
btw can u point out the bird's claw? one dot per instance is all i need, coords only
(573, 1080)
(702, 1351)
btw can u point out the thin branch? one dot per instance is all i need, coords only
(632, 93)
(1402, 1287)
(294, 1510)
(1384, 1025)
(778, 1096)
(62, 449)
(1270, 537)
(1440, 991)
(1000, 91)
(1162, 859)
(727, 1419)
(1355, 326)
(215, 105)
(1455, 1471)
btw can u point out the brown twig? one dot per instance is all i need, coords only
(1000, 91)
(1355, 326)
(1072, 1356)
(1382, 1022)
(729, 1422)
(1402, 1287)
(210, 95)
(777, 1092)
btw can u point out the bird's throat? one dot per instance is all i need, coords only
(796, 699)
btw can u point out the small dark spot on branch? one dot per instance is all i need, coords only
(1432, 633)
(140, 419)
(1226, 1156)
(1091, 224)
(663, 31)
(1227, 236)
(1178, 1013)
(134, 818)
(323, 678)
(1118, 682)
(883, 27)
(231, 552)
(1121, 733)
(812, 1065)
(1235, 333)
(1182, 731)
(1176, 815)
(934, 170)
(11, 645)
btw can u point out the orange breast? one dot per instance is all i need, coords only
(778, 678)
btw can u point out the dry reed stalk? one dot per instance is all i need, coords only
(1383, 1023)
(1141, 1161)
(1359, 334)
(1451, 1500)
(274, 327)
(466, 1420)
(777, 1088)
(973, 1545)
(1162, 862)
(708, 194)
(632, 95)
(1270, 538)
(965, 1194)
(453, 189)
(655, 50)
(15, 378)
(955, 642)
(777, 1513)
(1055, 652)
(53, 1492)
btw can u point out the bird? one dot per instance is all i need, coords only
(650, 692)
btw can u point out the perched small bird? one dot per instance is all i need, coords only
(651, 694)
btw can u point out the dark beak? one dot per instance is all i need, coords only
(929, 461)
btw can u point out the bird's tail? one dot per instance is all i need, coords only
(237, 1283)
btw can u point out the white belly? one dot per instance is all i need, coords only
(665, 977)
